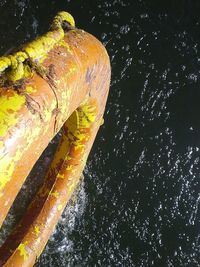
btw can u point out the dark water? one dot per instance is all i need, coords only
(139, 202)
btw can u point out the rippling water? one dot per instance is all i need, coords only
(139, 202)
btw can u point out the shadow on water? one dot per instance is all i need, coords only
(139, 204)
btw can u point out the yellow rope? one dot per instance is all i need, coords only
(15, 66)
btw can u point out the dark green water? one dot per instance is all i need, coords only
(139, 202)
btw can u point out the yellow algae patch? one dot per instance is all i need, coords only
(7, 167)
(66, 45)
(22, 250)
(82, 118)
(68, 157)
(8, 163)
(87, 114)
(37, 230)
(9, 106)
(39, 48)
(5, 62)
(79, 137)
(30, 89)
(69, 167)
(72, 69)
(55, 194)
(61, 176)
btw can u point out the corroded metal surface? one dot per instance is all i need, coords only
(67, 89)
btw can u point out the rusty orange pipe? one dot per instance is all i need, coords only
(40, 93)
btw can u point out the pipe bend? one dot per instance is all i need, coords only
(67, 89)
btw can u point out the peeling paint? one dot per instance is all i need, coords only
(9, 105)
(23, 252)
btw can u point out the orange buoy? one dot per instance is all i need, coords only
(58, 81)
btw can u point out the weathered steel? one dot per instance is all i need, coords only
(40, 93)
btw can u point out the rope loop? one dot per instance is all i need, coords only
(61, 20)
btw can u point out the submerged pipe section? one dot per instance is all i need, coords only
(58, 81)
